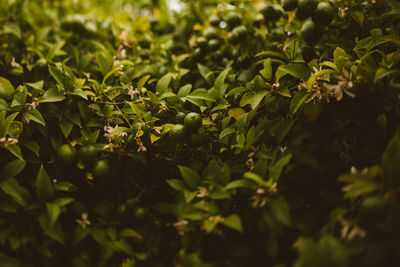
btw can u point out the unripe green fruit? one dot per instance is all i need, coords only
(180, 116)
(101, 169)
(201, 42)
(66, 154)
(214, 45)
(233, 38)
(214, 20)
(323, 14)
(311, 33)
(270, 13)
(88, 154)
(177, 133)
(305, 8)
(233, 20)
(140, 212)
(210, 33)
(289, 5)
(258, 21)
(193, 121)
(240, 31)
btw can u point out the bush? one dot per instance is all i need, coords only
(132, 135)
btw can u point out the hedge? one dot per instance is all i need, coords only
(222, 133)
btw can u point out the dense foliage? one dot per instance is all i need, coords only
(230, 133)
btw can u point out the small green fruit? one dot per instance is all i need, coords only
(270, 13)
(323, 14)
(88, 154)
(177, 133)
(214, 45)
(192, 121)
(311, 33)
(214, 20)
(201, 42)
(140, 212)
(289, 5)
(66, 154)
(305, 8)
(233, 19)
(180, 116)
(210, 33)
(101, 169)
(240, 31)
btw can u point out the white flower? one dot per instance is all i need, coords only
(181, 226)
(84, 222)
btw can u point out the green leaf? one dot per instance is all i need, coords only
(236, 112)
(233, 221)
(201, 94)
(58, 75)
(3, 105)
(13, 168)
(280, 210)
(219, 82)
(254, 177)
(225, 132)
(20, 195)
(266, 72)
(236, 90)
(142, 82)
(15, 150)
(253, 99)
(44, 188)
(13, 29)
(66, 127)
(6, 88)
(189, 195)
(383, 72)
(54, 231)
(206, 73)
(209, 224)
(313, 77)
(65, 186)
(80, 93)
(241, 183)
(270, 53)
(283, 91)
(34, 114)
(176, 184)
(294, 69)
(52, 95)
(282, 129)
(105, 61)
(357, 15)
(191, 177)
(275, 170)
(53, 211)
(56, 50)
(298, 99)
(37, 85)
(340, 57)
(390, 162)
(129, 233)
(184, 90)
(163, 83)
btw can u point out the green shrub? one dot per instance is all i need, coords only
(133, 135)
